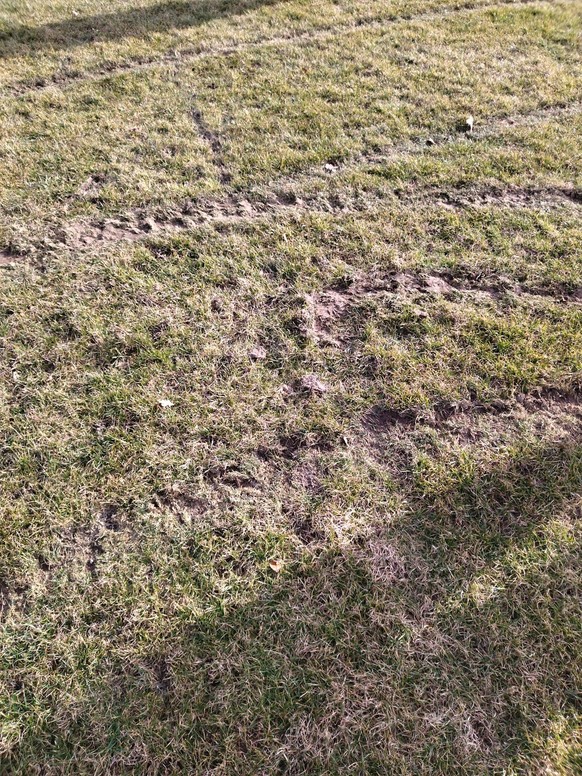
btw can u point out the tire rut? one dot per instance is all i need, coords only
(382, 419)
(235, 209)
(189, 54)
(283, 196)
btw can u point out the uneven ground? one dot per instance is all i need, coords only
(290, 387)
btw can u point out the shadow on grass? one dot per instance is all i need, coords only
(135, 22)
(347, 665)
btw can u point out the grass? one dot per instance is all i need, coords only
(94, 35)
(290, 397)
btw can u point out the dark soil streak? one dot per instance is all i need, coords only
(215, 145)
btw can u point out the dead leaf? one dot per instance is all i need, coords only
(276, 566)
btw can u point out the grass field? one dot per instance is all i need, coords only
(290, 387)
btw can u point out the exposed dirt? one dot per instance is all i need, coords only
(512, 196)
(12, 599)
(140, 224)
(109, 516)
(558, 416)
(306, 475)
(549, 406)
(322, 311)
(290, 445)
(326, 309)
(495, 287)
(229, 474)
(311, 384)
(179, 508)
(7, 259)
(87, 546)
(380, 419)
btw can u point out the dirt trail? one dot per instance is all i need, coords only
(235, 209)
(548, 404)
(283, 197)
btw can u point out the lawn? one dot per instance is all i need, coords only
(290, 387)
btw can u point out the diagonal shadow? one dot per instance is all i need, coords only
(326, 670)
(133, 22)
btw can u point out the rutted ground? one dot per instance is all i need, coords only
(269, 114)
(128, 38)
(290, 394)
(415, 172)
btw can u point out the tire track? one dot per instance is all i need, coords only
(141, 225)
(289, 196)
(382, 419)
(234, 210)
(193, 54)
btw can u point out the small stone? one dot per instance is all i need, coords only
(312, 384)
(165, 403)
(329, 167)
(258, 354)
(430, 141)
